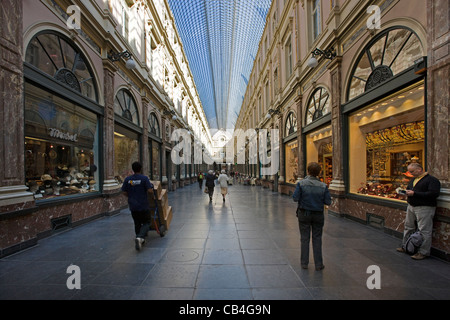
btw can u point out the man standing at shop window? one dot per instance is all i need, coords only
(422, 192)
(137, 187)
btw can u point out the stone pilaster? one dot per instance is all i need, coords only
(337, 184)
(110, 182)
(438, 99)
(301, 151)
(145, 151)
(12, 177)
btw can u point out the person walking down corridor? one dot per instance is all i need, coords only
(223, 181)
(422, 192)
(210, 177)
(200, 179)
(311, 195)
(137, 187)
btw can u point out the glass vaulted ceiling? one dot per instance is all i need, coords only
(220, 39)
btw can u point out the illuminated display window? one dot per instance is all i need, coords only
(383, 139)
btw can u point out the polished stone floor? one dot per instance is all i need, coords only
(246, 248)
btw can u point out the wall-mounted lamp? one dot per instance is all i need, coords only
(328, 54)
(171, 112)
(130, 64)
(271, 112)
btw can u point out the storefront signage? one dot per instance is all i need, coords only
(58, 134)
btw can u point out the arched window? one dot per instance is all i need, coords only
(318, 105)
(57, 56)
(125, 106)
(391, 52)
(153, 125)
(291, 124)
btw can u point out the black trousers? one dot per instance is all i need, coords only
(142, 222)
(311, 223)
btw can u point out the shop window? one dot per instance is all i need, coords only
(318, 105)
(291, 124)
(291, 154)
(384, 138)
(319, 148)
(61, 146)
(393, 51)
(56, 56)
(156, 161)
(126, 151)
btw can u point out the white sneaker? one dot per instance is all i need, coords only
(138, 242)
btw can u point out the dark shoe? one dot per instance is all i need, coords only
(320, 268)
(210, 199)
(401, 250)
(418, 256)
(304, 266)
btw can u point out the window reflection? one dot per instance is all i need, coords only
(61, 146)
(395, 50)
(55, 56)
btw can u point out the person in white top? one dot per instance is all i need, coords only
(223, 181)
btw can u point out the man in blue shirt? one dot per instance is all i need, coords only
(137, 187)
(311, 195)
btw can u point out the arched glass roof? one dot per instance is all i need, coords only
(220, 39)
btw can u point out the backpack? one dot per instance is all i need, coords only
(413, 243)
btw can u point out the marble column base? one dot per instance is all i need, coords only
(337, 185)
(444, 198)
(14, 195)
(110, 185)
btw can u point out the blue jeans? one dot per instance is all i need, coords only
(311, 222)
(142, 221)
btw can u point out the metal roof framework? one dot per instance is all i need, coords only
(220, 39)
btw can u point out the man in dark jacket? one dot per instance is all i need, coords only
(422, 192)
(137, 187)
(210, 177)
(311, 195)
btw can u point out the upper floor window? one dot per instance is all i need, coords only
(316, 19)
(288, 58)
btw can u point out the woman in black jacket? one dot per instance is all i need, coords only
(210, 177)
